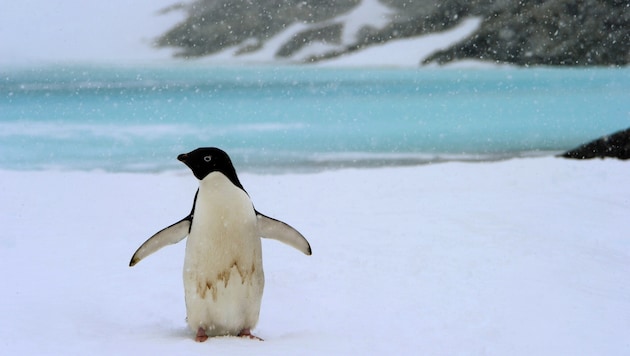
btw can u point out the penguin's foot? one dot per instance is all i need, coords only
(201, 335)
(248, 334)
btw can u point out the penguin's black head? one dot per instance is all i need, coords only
(206, 160)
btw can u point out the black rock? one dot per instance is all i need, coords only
(548, 32)
(616, 145)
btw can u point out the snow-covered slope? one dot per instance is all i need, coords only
(399, 53)
(117, 31)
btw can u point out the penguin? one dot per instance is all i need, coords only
(223, 271)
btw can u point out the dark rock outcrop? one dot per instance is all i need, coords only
(616, 145)
(576, 33)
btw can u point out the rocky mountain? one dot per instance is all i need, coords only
(536, 32)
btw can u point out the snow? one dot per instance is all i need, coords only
(407, 52)
(265, 55)
(520, 257)
(368, 13)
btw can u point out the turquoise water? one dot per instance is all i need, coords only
(299, 118)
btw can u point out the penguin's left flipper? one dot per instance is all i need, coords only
(167, 236)
(275, 229)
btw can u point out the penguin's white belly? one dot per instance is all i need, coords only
(223, 276)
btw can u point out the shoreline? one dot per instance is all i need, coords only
(345, 161)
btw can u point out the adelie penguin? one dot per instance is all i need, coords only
(223, 272)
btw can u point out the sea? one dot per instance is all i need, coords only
(135, 118)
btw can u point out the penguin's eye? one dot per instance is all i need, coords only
(207, 158)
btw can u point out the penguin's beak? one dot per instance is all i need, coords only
(183, 157)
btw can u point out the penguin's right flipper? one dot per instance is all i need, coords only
(278, 230)
(167, 236)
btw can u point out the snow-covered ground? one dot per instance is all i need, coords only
(117, 31)
(519, 257)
